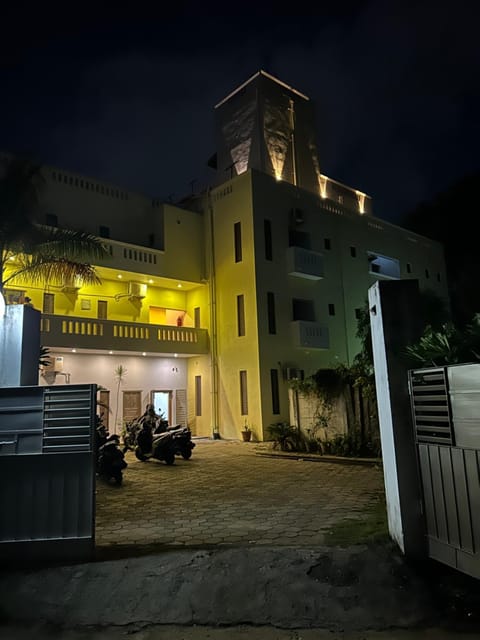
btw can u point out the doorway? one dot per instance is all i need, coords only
(162, 402)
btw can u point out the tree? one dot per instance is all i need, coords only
(448, 219)
(32, 252)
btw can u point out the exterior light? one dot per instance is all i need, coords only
(74, 351)
(120, 276)
(179, 286)
(175, 355)
(150, 281)
(110, 352)
(144, 354)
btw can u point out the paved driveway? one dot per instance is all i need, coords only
(226, 494)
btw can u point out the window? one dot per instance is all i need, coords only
(427, 273)
(298, 239)
(48, 303)
(151, 240)
(272, 328)
(275, 394)
(331, 309)
(104, 232)
(353, 252)
(237, 231)
(327, 244)
(384, 266)
(102, 309)
(241, 315)
(196, 317)
(198, 395)
(51, 220)
(267, 231)
(409, 267)
(303, 310)
(243, 393)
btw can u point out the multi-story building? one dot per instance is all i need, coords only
(213, 303)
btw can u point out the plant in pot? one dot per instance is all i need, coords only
(246, 432)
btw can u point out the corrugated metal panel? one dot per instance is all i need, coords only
(47, 477)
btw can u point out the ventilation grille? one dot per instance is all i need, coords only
(430, 406)
(67, 419)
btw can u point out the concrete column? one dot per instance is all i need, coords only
(396, 322)
(19, 346)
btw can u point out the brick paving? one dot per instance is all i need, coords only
(226, 494)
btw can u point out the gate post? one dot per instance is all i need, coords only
(19, 346)
(396, 321)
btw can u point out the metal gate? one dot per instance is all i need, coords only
(446, 416)
(47, 473)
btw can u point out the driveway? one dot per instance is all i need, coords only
(226, 494)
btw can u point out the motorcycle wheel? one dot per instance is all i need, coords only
(169, 458)
(186, 454)
(139, 455)
(118, 477)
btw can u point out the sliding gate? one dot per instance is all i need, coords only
(47, 474)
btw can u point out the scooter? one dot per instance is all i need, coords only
(111, 460)
(182, 438)
(160, 446)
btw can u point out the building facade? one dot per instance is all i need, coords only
(211, 305)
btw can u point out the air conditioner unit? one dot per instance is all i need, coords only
(55, 365)
(294, 374)
(137, 289)
(297, 216)
(72, 286)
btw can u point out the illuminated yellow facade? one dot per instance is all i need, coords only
(219, 301)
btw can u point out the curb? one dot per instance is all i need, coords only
(366, 462)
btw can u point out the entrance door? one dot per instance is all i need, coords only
(104, 406)
(132, 405)
(162, 402)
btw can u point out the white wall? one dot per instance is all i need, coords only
(143, 374)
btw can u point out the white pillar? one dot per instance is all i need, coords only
(19, 346)
(396, 321)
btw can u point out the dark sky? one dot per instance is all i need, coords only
(129, 98)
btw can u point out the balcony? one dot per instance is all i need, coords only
(304, 263)
(310, 335)
(85, 333)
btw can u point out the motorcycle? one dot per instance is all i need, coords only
(110, 459)
(149, 445)
(182, 440)
(133, 428)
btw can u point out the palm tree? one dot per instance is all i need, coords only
(32, 252)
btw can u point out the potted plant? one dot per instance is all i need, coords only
(246, 432)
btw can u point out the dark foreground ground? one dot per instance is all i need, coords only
(234, 545)
(356, 592)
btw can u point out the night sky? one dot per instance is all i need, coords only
(129, 98)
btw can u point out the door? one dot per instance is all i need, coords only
(132, 405)
(104, 406)
(102, 309)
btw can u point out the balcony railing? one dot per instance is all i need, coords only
(304, 263)
(310, 335)
(85, 333)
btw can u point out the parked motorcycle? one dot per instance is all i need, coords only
(110, 459)
(160, 446)
(182, 439)
(133, 428)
